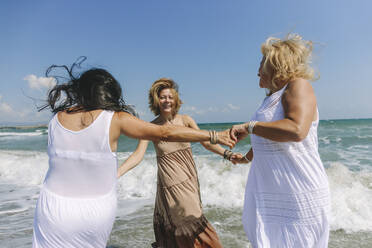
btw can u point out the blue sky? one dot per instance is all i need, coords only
(211, 48)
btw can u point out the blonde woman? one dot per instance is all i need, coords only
(287, 194)
(178, 215)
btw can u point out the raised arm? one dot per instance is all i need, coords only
(134, 159)
(124, 123)
(299, 104)
(189, 122)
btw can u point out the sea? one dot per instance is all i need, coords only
(345, 147)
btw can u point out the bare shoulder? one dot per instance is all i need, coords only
(299, 100)
(118, 119)
(186, 118)
(297, 89)
(120, 116)
(188, 121)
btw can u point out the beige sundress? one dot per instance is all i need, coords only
(178, 217)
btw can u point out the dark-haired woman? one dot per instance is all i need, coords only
(77, 202)
(179, 221)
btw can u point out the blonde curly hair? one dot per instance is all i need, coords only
(156, 88)
(284, 60)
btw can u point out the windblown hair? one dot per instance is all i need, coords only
(93, 89)
(284, 60)
(154, 92)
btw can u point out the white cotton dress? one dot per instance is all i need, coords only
(287, 194)
(77, 202)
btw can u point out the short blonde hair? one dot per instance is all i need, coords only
(284, 60)
(156, 88)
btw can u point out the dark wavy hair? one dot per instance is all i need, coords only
(93, 89)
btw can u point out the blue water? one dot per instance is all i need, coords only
(345, 147)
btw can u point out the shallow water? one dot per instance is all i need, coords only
(345, 147)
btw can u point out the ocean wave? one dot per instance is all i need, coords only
(351, 195)
(36, 133)
(357, 147)
(325, 140)
(23, 167)
(222, 185)
(13, 211)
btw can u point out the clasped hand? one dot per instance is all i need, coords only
(232, 136)
(238, 133)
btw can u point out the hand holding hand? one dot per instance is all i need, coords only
(238, 158)
(224, 138)
(238, 132)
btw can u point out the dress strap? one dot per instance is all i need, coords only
(272, 100)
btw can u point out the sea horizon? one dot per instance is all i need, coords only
(24, 125)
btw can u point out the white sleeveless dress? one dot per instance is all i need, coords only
(77, 202)
(287, 194)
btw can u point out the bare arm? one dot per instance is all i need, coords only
(134, 159)
(207, 145)
(299, 104)
(124, 123)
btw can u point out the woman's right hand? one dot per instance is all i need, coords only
(224, 138)
(239, 132)
(238, 158)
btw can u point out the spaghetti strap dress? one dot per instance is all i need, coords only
(178, 217)
(77, 201)
(287, 194)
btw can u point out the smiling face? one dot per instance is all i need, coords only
(164, 98)
(166, 101)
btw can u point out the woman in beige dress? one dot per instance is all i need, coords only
(178, 215)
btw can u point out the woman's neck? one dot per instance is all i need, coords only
(167, 117)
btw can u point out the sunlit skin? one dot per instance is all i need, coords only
(167, 116)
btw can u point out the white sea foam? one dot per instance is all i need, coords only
(38, 132)
(359, 147)
(140, 182)
(23, 167)
(13, 211)
(221, 184)
(325, 140)
(351, 196)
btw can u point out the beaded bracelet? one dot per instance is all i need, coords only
(227, 154)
